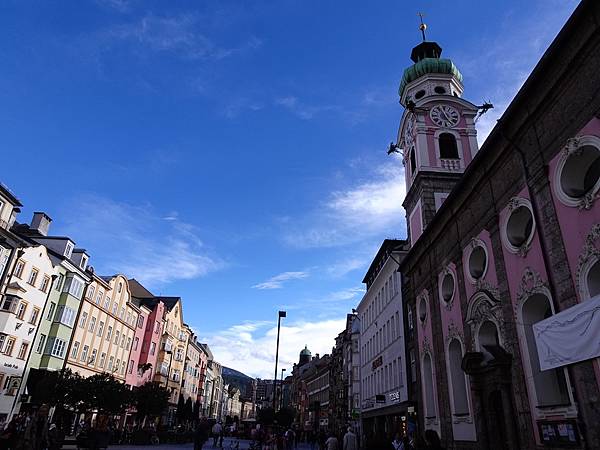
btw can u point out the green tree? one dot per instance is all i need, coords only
(196, 411)
(188, 410)
(285, 417)
(150, 400)
(105, 394)
(266, 416)
(180, 409)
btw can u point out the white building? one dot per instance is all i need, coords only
(383, 390)
(20, 313)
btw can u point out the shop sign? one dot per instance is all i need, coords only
(394, 396)
(378, 362)
(559, 433)
(380, 398)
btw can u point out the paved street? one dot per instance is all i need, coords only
(227, 445)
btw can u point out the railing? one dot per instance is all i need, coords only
(450, 164)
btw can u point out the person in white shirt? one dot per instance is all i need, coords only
(217, 429)
(350, 442)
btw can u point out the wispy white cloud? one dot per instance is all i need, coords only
(301, 109)
(502, 63)
(250, 346)
(346, 265)
(235, 106)
(277, 281)
(118, 5)
(137, 241)
(369, 208)
(346, 294)
(181, 34)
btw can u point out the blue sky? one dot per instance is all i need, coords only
(233, 152)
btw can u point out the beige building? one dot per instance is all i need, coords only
(105, 329)
(173, 350)
(192, 369)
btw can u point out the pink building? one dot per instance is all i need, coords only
(502, 238)
(150, 333)
(141, 373)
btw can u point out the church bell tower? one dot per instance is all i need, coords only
(437, 135)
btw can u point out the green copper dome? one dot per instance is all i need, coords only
(306, 351)
(425, 66)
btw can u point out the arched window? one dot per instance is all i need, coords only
(488, 336)
(459, 385)
(413, 162)
(428, 380)
(550, 385)
(448, 146)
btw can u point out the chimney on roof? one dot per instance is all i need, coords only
(41, 223)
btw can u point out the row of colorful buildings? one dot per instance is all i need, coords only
(483, 324)
(56, 312)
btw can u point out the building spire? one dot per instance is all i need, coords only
(422, 26)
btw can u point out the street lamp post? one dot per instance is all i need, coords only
(280, 315)
(281, 399)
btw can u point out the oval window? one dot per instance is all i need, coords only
(422, 310)
(593, 279)
(447, 287)
(477, 262)
(439, 90)
(519, 227)
(420, 94)
(581, 172)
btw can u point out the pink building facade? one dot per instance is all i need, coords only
(151, 332)
(140, 373)
(502, 237)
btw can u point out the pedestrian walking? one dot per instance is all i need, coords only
(35, 436)
(432, 440)
(398, 443)
(217, 429)
(201, 434)
(290, 438)
(331, 443)
(350, 441)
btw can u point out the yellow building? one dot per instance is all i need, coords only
(105, 329)
(173, 350)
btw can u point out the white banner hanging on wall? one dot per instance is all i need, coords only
(570, 336)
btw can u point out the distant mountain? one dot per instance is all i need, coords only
(238, 379)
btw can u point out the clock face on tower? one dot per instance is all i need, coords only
(444, 116)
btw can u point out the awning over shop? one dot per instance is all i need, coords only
(398, 408)
(570, 336)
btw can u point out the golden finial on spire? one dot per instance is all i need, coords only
(422, 26)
